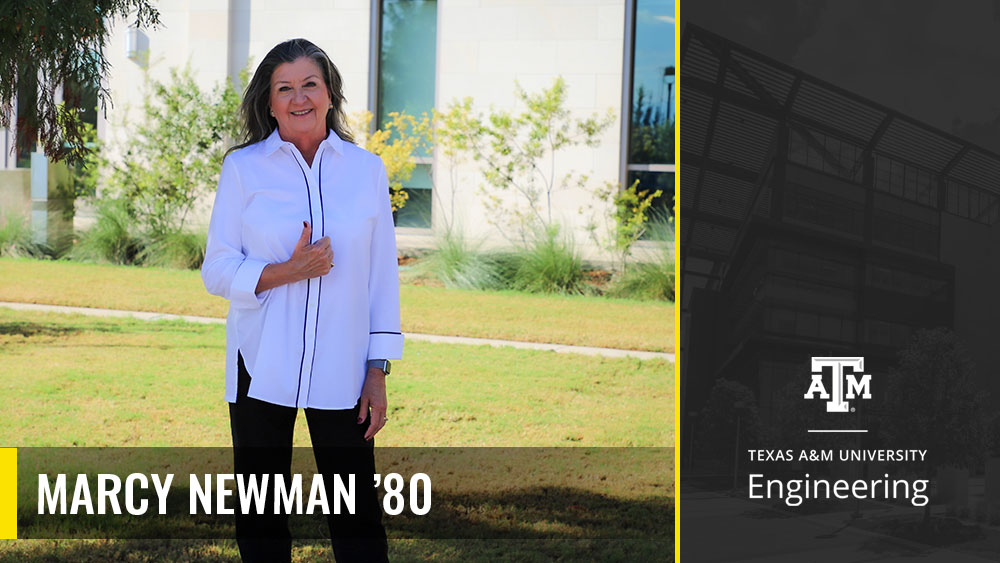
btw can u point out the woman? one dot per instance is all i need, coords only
(301, 242)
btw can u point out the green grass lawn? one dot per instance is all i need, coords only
(87, 381)
(72, 380)
(579, 320)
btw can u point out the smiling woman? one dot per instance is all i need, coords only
(299, 103)
(295, 195)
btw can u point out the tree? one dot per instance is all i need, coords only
(932, 404)
(46, 44)
(455, 132)
(518, 153)
(397, 142)
(626, 225)
(174, 155)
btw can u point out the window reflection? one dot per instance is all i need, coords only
(408, 43)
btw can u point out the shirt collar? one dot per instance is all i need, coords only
(273, 142)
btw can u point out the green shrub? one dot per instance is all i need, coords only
(507, 264)
(650, 280)
(16, 239)
(171, 160)
(174, 152)
(460, 265)
(549, 265)
(653, 280)
(177, 249)
(114, 238)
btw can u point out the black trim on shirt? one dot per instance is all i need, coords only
(305, 317)
(319, 294)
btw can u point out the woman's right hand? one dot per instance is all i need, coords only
(307, 261)
(310, 260)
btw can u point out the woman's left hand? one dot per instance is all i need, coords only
(373, 397)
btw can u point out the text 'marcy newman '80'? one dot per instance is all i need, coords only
(246, 493)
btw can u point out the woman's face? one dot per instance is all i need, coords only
(300, 99)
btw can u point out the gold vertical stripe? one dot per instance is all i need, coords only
(8, 493)
(678, 166)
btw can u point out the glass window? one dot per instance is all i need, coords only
(662, 208)
(27, 128)
(842, 158)
(417, 211)
(83, 97)
(651, 112)
(76, 93)
(406, 73)
(652, 138)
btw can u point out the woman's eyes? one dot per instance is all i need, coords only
(288, 88)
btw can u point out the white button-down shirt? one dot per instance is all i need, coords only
(305, 344)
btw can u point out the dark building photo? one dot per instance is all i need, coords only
(817, 222)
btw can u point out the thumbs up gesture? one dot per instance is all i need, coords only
(311, 260)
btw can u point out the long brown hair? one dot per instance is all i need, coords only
(254, 110)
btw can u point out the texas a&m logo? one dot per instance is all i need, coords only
(843, 385)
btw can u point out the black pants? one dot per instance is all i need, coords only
(262, 445)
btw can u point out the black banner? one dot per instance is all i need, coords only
(428, 493)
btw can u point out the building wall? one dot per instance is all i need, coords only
(483, 47)
(15, 192)
(487, 45)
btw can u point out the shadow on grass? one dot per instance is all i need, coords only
(530, 513)
(528, 524)
(219, 551)
(30, 330)
(47, 551)
(538, 513)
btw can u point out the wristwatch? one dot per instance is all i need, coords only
(384, 365)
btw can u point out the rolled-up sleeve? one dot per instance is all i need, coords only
(226, 271)
(386, 339)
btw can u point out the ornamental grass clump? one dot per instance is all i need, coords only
(176, 249)
(16, 239)
(549, 265)
(458, 264)
(654, 279)
(114, 238)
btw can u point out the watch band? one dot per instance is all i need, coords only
(384, 365)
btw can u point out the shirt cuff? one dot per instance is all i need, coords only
(385, 346)
(243, 291)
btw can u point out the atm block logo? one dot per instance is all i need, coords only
(843, 385)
